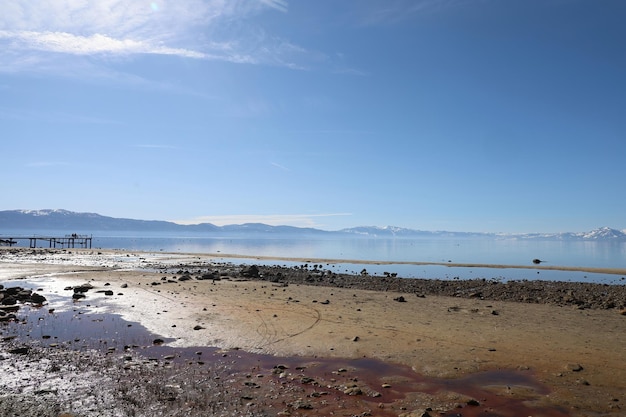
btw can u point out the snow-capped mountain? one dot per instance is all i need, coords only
(69, 221)
(603, 233)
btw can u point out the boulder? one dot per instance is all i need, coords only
(37, 298)
(20, 350)
(24, 295)
(9, 300)
(83, 288)
(252, 271)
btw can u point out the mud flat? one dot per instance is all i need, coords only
(266, 340)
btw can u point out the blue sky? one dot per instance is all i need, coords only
(467, 115)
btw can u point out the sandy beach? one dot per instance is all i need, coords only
(469, 352)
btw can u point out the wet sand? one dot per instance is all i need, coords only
(578, 354)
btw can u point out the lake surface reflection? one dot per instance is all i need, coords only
(349, 251)
(594, 254)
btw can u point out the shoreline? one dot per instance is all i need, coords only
(303, 260)
(612, 271)
(439, 329)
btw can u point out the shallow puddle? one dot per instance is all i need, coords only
(486, 394)
(77, 328)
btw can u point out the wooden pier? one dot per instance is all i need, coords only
(68, 241)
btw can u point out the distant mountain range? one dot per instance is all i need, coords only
(70, 222)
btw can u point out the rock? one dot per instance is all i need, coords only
(108, 292)
(78, 295)
(20, 350)
(252, 271)
(198, 327)
(13, 290)
(400, 299)
(81, 289)
(158, 341)
(574, 367)
(124, 285)
(37, 298)
(353, 391)
(208, 276)
(24, 295)
(10, 300)
(301, 405)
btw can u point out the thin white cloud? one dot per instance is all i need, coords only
(32, 31)
(393, 11)
(52, 117)
(276, 4)
(297, 220)
(277, 165)
(67, 43)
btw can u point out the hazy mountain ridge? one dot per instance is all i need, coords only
(393, 231)
(70, 222)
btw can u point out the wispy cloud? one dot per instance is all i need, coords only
(32, 31)
(276, 4)
(277, 165)
(68, 43)
(52, 117)
(394, 11)
(297, 220)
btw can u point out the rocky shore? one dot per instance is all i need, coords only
(579, 294)
(261, 340)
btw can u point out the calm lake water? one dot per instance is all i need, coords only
(598, 254)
